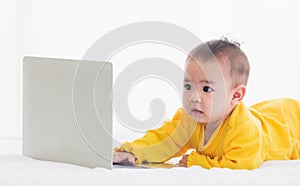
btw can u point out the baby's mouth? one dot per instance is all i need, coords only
(196, 112)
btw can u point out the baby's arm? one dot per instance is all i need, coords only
(124, 158)
(170, 140)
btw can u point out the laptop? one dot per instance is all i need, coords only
(67, 112)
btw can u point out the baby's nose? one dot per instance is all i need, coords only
(195, 97)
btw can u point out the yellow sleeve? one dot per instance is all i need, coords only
(170, 140)
(242, 150)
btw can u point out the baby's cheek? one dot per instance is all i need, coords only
(185, 103)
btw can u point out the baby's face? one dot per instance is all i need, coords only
(207, 91)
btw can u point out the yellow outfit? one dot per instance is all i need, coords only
(268, 130)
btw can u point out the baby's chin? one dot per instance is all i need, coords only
(198, 119)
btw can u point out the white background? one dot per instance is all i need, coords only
(268, 30)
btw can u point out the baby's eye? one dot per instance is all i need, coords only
(188, 87)
(207, 89)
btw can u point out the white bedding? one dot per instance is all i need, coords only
(16, 170)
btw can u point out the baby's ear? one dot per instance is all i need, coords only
(238, 94)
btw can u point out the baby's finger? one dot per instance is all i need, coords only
(131, 160)
(185, 156)
(119, 157)
(116, 159)
(181, 165)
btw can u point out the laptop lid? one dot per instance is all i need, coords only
(67, 111)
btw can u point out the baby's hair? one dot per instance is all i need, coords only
(227, 52)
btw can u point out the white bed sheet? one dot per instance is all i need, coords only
(16, 170)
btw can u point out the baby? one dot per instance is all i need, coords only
(214, 121)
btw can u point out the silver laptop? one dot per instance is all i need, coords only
(67, 111)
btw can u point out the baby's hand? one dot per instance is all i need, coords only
(124, 158)
(183, 161)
